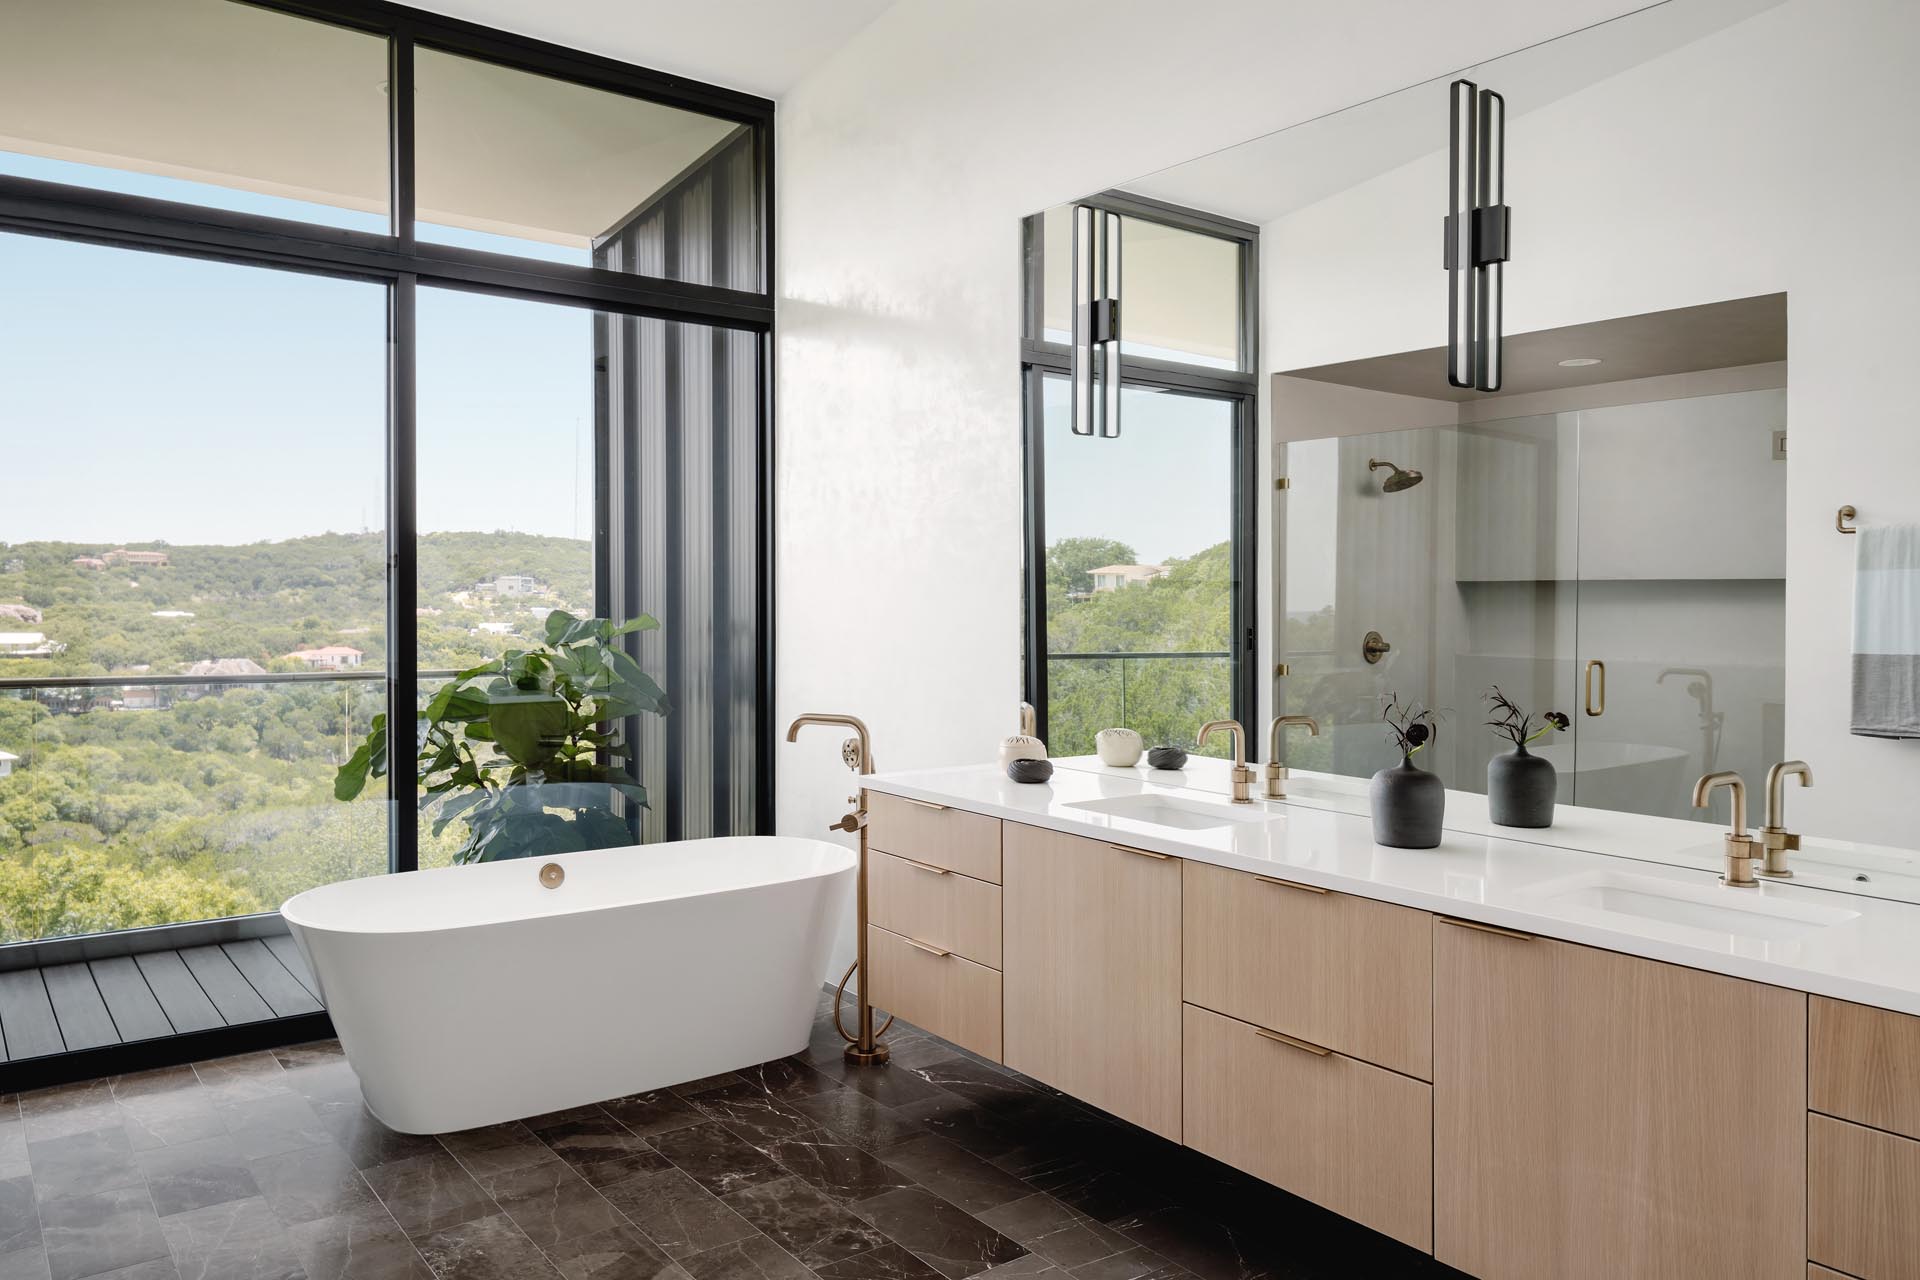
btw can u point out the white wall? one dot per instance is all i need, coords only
(905, 165)
(1780, 154)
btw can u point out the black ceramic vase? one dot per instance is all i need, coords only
(1408, 805)
(1520, 787)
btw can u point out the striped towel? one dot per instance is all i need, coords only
(1886, 632)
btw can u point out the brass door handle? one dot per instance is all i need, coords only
(1374, 646)
(924, 804)
(927, 947)
(923, 866)
(1144, 853)
(1289, 1041)
(1593, 708)
(1292, 884)
(1477, 927)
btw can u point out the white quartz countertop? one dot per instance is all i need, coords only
(1838, 944)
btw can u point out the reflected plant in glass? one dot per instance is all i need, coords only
(525, 750)
(1521, 785)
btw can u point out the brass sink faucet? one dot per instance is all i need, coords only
(1242, 776)
(1742, 849)
(1775, 840)
(1277, 772)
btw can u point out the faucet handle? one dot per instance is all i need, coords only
(1741, 853)
(852, 822)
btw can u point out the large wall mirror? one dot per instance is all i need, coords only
(1707, 332)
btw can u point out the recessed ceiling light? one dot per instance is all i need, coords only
(1578, 362)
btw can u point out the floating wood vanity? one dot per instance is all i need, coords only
(1516, 1104)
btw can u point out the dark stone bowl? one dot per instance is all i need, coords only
(1166, 758)
(1030, 770)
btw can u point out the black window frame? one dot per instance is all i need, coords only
(1040, 358)
(398, 260)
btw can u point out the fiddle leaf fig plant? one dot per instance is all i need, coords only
(526, 750)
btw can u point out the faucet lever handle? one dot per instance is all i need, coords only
(852, 822)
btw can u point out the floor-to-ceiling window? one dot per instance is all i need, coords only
(342, 351)
(1140, 548)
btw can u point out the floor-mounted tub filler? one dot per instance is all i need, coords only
(467, 996)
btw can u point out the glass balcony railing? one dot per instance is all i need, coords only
(135, 800)
(1164, 697)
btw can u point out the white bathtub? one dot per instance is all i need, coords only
(472, 995)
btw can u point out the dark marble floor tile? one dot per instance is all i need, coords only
(980, 1084)
(550, 1202)
(24, 1264)
(68, 1109)
(165, 1118)
(1052, 1231)
(366, 1244)
(426, 1193)
(753, 1113)
(154, 1269)
(318, 1182)
(804, 1222)
(143, 1084)
(858, 1119)
(1134, 1264)
(835, 1167)
(692, 1087)
(329, 1080)
(657, 1112)
(368, 1142)
(601, 1149)
(786, 1078)
(87, 1235)
(677, 1213)
(894, 1085)
(489, 1248)
(195, 1175)
(497, 1148)
(591, 1111)
(714, 1157)
(955, 1175)
(313, 1053)
(913, 1050)
(244, 1076)
(82, 1163)
(19, 1215)
(618, 1253)
(963, 1124)
(1200, 1243)
(1090, 1188)
(271, 1124)
(887, 1262)
(756, 1258)
(950, 1240)
(239, 1240)
(13, 1150)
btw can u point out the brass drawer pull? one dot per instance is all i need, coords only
(927, 947)
(1144, 853)
(924, 804)
(925, 866)
(1277, 1038)
(1477, 927)
(1292, 884)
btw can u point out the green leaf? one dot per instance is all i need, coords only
(368, 759)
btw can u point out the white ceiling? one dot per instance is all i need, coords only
(759, 46)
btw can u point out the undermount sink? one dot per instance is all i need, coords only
(1746, 914)
(1174, 812)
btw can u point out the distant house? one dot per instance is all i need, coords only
(513, 584)
(7, 759)
(27, 644)
(20, 613)
(333, 657)
(222, 674)
(1112, 577)
(497, 628)
(90, 562)
(143, 697)
(171, 613)
(120, 555)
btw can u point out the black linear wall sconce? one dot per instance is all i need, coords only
(1477, 230)
(1096, 322)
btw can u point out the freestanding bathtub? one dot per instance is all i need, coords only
(467, 996)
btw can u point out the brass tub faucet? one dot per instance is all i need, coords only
(1742, 849)
(1775, 840)
(1241, 775)
(1277, 772)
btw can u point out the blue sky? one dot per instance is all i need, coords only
(144, 396)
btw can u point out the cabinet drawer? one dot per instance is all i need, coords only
(952, 997)
(1862, 1189)
(1342, 1133)
(918, 900)
(1863, 1064)
(952, 838)
(1349, 973)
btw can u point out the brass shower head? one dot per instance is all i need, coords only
(1400, 479)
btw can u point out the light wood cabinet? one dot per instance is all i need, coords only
(1817, 1272)
(1600, 1115)
(935, 834)
(918, 900)
(931, 987)
(1345, 1134)
(1341, 971)
(1864, 1065)
(1092, 952)
(1863, 1200)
